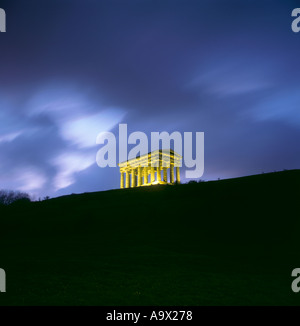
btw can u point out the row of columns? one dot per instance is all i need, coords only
(142, 174)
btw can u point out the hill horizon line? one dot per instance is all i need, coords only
(172, 185)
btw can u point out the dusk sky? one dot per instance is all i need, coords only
(70, 69)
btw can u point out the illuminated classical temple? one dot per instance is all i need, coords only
(156, 164)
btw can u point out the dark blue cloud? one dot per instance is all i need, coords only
(227, 68)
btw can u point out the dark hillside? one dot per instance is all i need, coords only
(227, 242)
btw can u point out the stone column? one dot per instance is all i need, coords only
(122, 180)
(165, 174)
(172, 173)
(145, 175)
(127, 179)
(152, 174)
(140, 177)
(133, 179)
(158, 169)
(177, 174)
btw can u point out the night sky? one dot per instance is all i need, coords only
(70, 69)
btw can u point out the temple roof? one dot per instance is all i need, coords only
(156, 156)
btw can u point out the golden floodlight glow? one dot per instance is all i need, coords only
(150, 164)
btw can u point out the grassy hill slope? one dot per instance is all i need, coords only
(227, 242)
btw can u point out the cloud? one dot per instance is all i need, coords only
(224, 68)
(232, 78)
(84, 130)
(68, 164)
(10, 137)
(281, 106)
(55, 140)
(30, 180)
